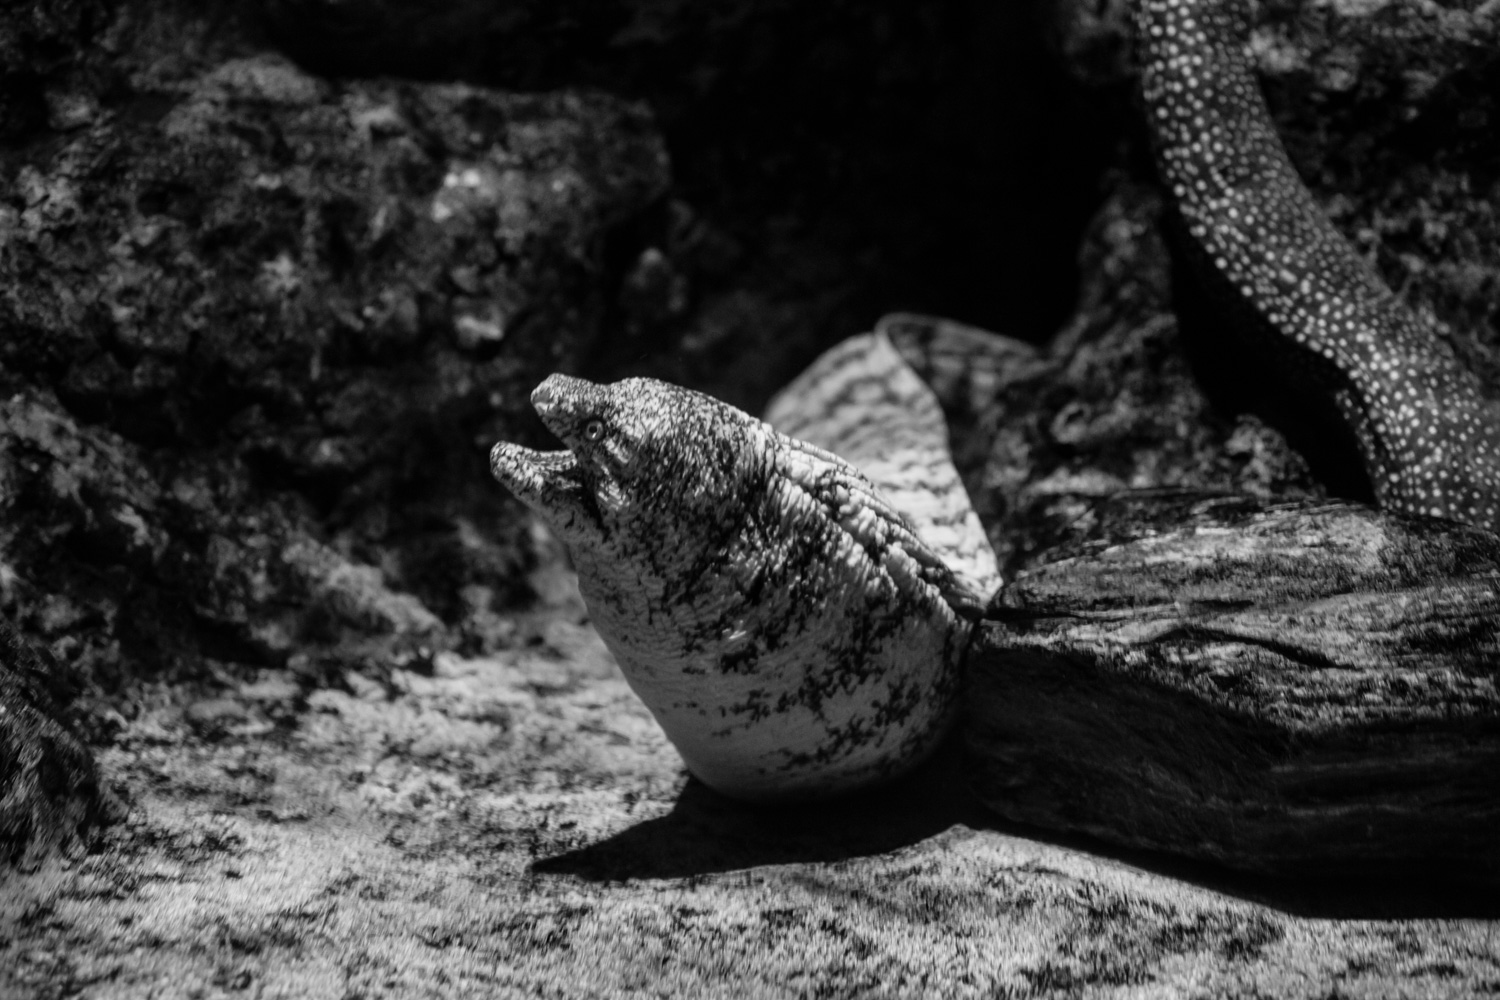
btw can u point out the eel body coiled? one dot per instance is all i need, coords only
(1428, 433)
(788, 629)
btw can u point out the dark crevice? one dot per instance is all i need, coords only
(937, 156)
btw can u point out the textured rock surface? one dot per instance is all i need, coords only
(1387, 109)
(260, 330)
(50, 795)
(850, 158)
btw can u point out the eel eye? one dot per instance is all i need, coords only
(593, 430)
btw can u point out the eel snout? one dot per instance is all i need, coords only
(551, 482)
(567, 405)
(533, 476)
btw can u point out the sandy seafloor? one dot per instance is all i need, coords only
(516, 825)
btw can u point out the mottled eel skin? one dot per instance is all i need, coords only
(1429, 436)
(790, 632)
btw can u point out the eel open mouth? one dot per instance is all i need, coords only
(533, 475)
(552, 483)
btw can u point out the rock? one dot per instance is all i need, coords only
(100, 504)
(50, 794)
(40, 48)
(212, 716)
(1386, 109)
(255, 339)
(236, 371)
(817, 187)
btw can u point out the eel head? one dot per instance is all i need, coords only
(640, 453)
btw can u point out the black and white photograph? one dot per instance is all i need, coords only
(792, 499)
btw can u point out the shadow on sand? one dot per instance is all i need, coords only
(706, 834)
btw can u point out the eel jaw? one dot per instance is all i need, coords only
(552, 484)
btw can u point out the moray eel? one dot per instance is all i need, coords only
(1428, 435)
(795, 620)
(791, 633)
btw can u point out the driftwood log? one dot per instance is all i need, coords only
(1302, 688)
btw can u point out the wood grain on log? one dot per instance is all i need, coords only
(1293, 689)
